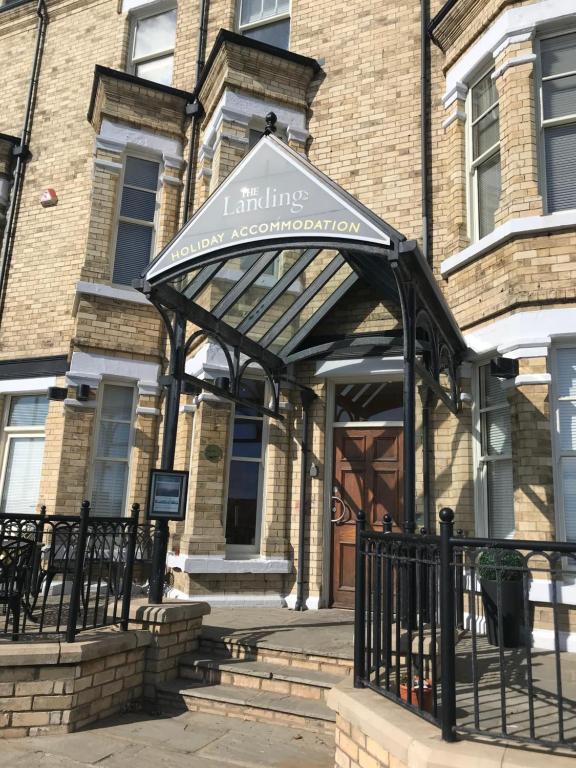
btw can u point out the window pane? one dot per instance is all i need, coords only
(484, 95)
(242, 503)
(498, 429)
(559, 97)
(28, 411)
(251, 11)
(566, 381)
(558, 55)
(247, 441)
(113, 440)
(277, 33)
(369, 402)
(155, 34)
(117, 403)
(157, 70)
(141, 173)
(137, 204)
(569, 496)
(560, 150)
(253, 391)
(486, 132)
(22, 479)
(494, 391)
(500, 499)
(133, 247)
(488, 180)
(567, 424)
(108, 493)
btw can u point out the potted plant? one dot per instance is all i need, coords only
(427, 692)
(503, 570)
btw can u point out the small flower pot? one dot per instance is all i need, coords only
(427, 696)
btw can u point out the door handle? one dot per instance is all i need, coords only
(346, 515)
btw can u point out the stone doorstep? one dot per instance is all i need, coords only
(263, 706)
(304, 683)
(233, 647)
(415, 743)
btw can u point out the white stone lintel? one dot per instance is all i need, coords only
(458, 114)
(517, 61)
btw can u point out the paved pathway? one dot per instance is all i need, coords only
(190, 740)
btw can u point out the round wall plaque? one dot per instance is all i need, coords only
(213, 453)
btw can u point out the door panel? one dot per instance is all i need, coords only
(367, 476)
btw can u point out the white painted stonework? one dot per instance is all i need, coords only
(89, 368)
(117, 137)
(124, 293)
(203, 564)
(23, 386)
(512, 26)
(525, 334)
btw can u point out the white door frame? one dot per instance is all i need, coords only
(345, 372)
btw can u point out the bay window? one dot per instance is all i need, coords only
(112, 450)
(565, 439)
(496, 491)
(484, 155)
(266, 20)
(152, 46)
(245, 477)
(558, 120)
(24, 420)
(136, 219)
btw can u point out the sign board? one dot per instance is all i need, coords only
(272, 193)
(167, 495)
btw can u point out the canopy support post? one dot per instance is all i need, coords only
(171, 412)
(307, 397)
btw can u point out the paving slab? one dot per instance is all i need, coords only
(190, 740)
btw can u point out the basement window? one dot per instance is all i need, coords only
(153, 37)
(266, 20)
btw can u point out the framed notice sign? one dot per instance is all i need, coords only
(167, 495)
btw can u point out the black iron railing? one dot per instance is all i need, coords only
(60, 574)
(471, 634)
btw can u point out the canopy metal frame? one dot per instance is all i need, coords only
(429, 340)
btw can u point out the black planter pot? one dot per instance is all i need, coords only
(512, 607)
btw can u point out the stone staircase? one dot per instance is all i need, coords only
(250, 680)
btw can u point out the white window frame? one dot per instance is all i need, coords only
(557, 453)
(247, 551)
(139, 14)
(480, 461)
(543, 123)
(471, 164)
(106, 382)
(242, 28)
(137, 154)
(9, 433)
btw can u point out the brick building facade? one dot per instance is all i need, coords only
(136, 113)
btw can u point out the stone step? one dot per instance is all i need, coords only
(248, 704)
(257, 675)
(231, 647)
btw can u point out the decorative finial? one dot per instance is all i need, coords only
(271, 121)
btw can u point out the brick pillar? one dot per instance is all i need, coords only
(277, 487)
(532, 456)
(204, 527)
(455, 183)
(514, 77)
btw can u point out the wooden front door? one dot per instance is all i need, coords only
(368, 476)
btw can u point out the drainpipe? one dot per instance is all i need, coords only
(193, 110)
(22, 153)
(307, 397)
(424, 70)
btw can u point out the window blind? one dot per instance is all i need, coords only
(23, 471)
(135, 233)
(500, 499)
(111, 463)
(565, 380)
